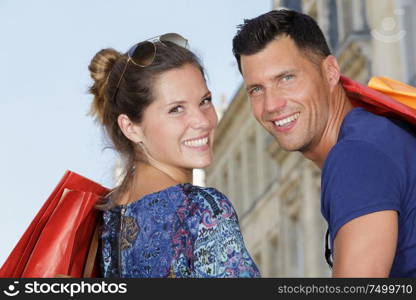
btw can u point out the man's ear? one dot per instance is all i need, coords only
(131, 130)
(331, 71)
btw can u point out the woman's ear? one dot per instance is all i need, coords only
(130, 129)
(331, 70)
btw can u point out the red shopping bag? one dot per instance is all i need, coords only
(60, 239)
(383, 96)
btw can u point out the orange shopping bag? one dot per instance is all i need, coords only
(60, 239)
(397, 90)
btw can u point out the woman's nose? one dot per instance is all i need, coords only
(201, 119)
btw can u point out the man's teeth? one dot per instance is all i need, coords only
(196, 143)
(287, 120)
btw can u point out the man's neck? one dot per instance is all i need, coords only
(339, 107)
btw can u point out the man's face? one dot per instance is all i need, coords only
(288, 94)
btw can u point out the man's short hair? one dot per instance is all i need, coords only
(256, 33)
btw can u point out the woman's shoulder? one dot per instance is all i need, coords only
(208, 198)
(195, 190)
(206, 193)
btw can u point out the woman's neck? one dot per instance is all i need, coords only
(178, 175)
(146, 172)
(149, 179)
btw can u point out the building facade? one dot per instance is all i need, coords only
(277, 193)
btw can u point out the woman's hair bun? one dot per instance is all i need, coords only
(100, 68)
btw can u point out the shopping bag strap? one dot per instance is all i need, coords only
(92, 252)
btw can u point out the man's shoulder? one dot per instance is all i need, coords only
(365, 131)
(365, 139)
(372, 145)
(360, 124)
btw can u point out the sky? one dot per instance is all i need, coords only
(45, 49)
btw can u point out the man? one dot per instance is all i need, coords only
(368, 162)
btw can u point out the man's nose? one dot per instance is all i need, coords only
(274, 101)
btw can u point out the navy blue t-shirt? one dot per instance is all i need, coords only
(373, 168)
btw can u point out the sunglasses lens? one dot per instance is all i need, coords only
(143, 54)
(174, 38)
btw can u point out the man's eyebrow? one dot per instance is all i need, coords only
(250, 86)
(284, 73)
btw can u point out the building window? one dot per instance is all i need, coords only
(257, 260)
(269, 164)
(408, 42)
(333, 25)
(223, 186)
(295, 255)
(238, 184)
(292, 4)
(273, 257)
(300, 254)
(252, 168)
(345, 17)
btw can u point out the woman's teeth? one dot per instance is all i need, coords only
(287, 120)
(196, 143)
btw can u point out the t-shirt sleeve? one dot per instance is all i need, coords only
(358, 179)
(219, 249)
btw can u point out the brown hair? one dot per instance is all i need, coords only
(255, 34)
(133, 96)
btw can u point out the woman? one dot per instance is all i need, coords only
(155, 106)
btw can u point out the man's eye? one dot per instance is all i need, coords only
(176, 109)
(288, 77)
(255, 91)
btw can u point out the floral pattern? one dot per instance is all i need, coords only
(182, 231)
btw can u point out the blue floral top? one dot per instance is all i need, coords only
(182, 231)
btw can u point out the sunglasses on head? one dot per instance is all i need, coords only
(142, 54)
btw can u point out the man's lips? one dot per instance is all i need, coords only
(281, 121)
(284, 124)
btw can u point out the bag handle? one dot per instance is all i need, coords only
(92, 252)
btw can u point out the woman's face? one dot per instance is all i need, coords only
(178, 126)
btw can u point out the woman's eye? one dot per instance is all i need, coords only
(206, 101)
(176, 109)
